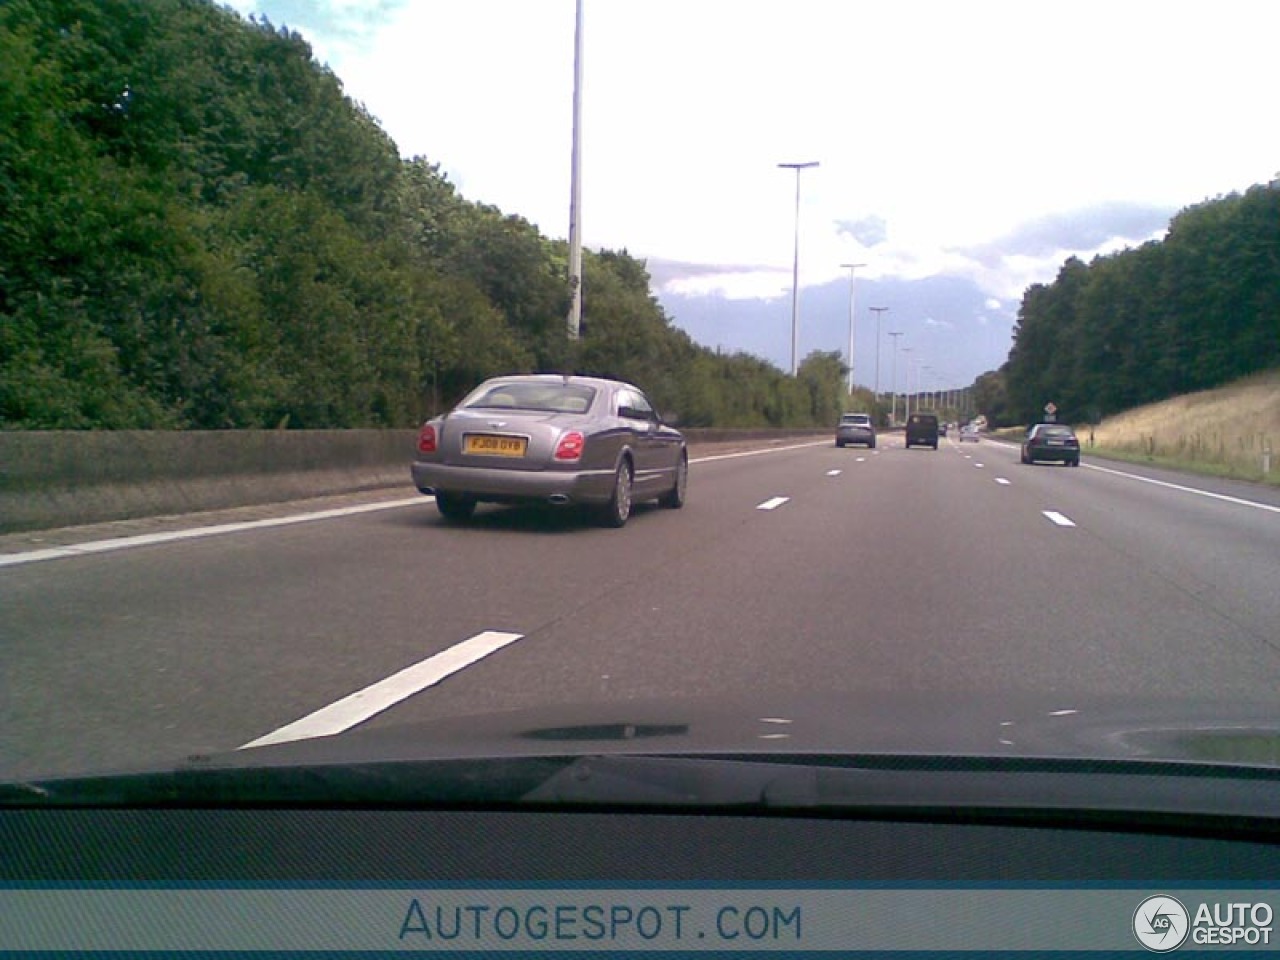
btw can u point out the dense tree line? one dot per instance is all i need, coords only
(198, 229)
(991, 399)
(1189, 312)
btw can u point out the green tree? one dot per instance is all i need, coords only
(200, 229)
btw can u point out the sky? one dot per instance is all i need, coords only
(981, 142)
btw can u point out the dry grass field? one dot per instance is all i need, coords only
(1227, 430)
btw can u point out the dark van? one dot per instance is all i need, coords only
(922, 430)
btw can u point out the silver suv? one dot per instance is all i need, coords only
(855, 428)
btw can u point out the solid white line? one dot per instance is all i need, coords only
(372, 700)
(1177, 486)
(756, 453)
(1058, 518)
(834, 473)
(194, 533)
(1002, 481)
(168, 536)
(773, 504)
(1238, 501)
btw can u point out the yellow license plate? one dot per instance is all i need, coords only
(491, 446)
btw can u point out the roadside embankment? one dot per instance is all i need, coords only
(1231, 431)
(66, 478)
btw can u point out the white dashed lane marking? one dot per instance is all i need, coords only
(1002, 481)
(1058, 518)
(360, 706)
(773, 504)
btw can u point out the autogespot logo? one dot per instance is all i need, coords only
(1160, 923)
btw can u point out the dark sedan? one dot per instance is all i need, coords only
(1051, 441)
(552, 439)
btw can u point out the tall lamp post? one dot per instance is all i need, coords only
(893, 416)
(906, 400)
(795, 266)
(878, 311)
(575, 186)
(852, 268)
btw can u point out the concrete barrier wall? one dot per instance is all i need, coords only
(50, 479)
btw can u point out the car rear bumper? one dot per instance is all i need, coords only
(1057, 454)
(495, 485)
(855, 436)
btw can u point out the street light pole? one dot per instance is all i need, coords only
(852, 268)
(795, 266)
(575, 186)
(877, 311)
(906, 400)
(893, 415)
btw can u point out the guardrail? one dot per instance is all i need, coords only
(67, 478)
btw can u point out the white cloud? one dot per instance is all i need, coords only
(733, 285)
(936, 148)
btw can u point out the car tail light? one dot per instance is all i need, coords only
(570, 446)
(427, 439)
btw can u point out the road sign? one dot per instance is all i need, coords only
(1050, 409)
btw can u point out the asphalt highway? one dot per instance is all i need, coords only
(794, 570)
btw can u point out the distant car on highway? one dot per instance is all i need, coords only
(1051, 441)
(856, 428)
(922, 430)
(552, 439)
(942, 429)
(969, 433)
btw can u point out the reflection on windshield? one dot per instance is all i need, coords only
(228, 284)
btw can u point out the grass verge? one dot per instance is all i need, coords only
(1200, 467)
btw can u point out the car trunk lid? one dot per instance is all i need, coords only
(510, 439)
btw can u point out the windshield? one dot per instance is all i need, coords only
(544, 397)
(254, 256)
